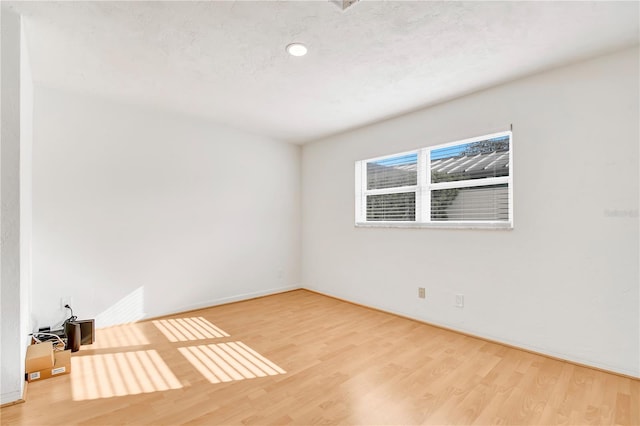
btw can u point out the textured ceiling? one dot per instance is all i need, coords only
(227, 60)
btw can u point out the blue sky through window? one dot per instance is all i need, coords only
(398, 161)
(456, 150)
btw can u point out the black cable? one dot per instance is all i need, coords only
(72, 317)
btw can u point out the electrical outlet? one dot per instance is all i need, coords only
(421, 293)
(459, 300)
(66, 300)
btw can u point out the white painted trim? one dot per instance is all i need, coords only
(394, 190)
(423, 197)
(9, 397)
(470, 140)
(223, 300)
(397, 154)
(360, 197)
(510, 186)
(470, 183)
(424, 188)
(442, 225)
(479, 334)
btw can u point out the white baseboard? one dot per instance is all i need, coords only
(228, 299)
(10, 397)
(508, 342)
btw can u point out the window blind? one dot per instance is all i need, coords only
(461, 183)
(392, 172)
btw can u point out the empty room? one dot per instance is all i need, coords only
(347, 212)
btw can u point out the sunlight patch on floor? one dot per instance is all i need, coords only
(188, 329)
(117, 337)
(226, 362)
(120, 374)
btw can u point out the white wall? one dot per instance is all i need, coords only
(139, 213)
(11, 383)
(26, 191)
(565, 281)
(15, 172)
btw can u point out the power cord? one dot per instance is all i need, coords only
(72, 317)
(58, 343)
(41, 336)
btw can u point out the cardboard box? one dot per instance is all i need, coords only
(39, 357)
(61, 366)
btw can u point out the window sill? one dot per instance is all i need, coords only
(503, 226)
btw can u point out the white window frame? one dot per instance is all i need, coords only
(424, 187)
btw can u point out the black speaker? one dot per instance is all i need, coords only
(86, 331)
(73, 332)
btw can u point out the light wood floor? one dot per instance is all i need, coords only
(303, 358)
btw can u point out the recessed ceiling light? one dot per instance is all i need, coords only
(297, 49)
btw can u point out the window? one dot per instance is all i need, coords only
(460, 184)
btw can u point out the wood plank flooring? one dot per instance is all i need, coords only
(303, 358)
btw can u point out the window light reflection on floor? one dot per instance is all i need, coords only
(118, 336)
(226, 362)
(119, 374)
(188, 329)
